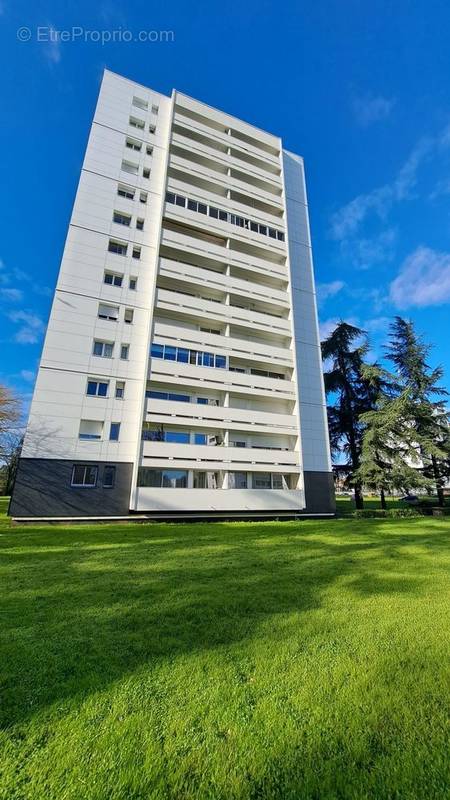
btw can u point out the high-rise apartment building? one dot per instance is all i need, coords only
(181, 370)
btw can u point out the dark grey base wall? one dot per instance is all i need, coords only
(319, 493)
(43, 489)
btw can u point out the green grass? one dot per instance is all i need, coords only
(288, 660)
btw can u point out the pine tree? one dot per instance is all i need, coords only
(351, 394)
(427, 414)
(389, 451)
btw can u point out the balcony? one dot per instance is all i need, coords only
(213, 250)
(227, 160)
(189, 456)
(228, 345)
(220, 379)
(222, 417)
(194, 275)
(197, 307)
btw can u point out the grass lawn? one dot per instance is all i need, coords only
(289, 660)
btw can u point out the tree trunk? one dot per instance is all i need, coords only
(439, 489)
(359, 502)
(383, 499)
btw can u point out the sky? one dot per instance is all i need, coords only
(361, 90)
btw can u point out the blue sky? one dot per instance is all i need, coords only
(361, 90)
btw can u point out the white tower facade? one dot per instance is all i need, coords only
(181, 370)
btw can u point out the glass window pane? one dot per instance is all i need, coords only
(98, 348)
(261, 480)
(170, 197)
(202, 209)
(200, 438)
(178, 437)
(174, 478)
(277, 481)
(223, 215)
(157, 395)
(102, 389)
(109, 476)
(180, 201)
(92, 388)
(240, 480)
(149, 477)
(182, 355)
(180, 398)
(203, 401)
(213, 212)
(192, 205)
(170, 353)
(221, 362)
(157, 351)
(114, 431)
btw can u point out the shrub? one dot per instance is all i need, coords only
(381, 513)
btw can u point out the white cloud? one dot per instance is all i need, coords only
(423, 280)
(31, 327)
(52, 46)
(348, 223)
(11, 294)
(377, 325)
(364, 253)
(326, 290)
(27, 375)
(371, 108)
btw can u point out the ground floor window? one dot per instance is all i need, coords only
(84, 475)
(163, 478)
(206, 480)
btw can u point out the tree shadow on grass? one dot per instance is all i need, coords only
(84, 607)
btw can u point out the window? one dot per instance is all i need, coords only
(181, 398)
(202, 401)
(240, 480)
(262, 480)
(114, 431)
(157, 351)
(221, 362)
(202, 209)
(170, 353)
(263, 230)
(140, 224)
(124, 351)
(272, 233)
(139, 103)
(136, 252)
(128, 315)
(124, 191)
(254, 226)
(210, 330)
(214, 212)
(84, 475)
(180, 201)
(90, 429)
(132, 144)
(182, 355)
(97, 388)
(206, 480)
(223, 215)
(112, 279)
(152, 128)
(108, 312)
(192, 205)
(103, 349)
(120, 390)
(167, 478)
(280, 236)
(149, 150)
(146, 172)
(137, 123)
(119, 248)
(177, 437)
(121, 219)
(155, 109)
(128, 166)
(200, 438)
(239, 444)
(109, 476)
(143, 197)
(132, 284)
(170, 197)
